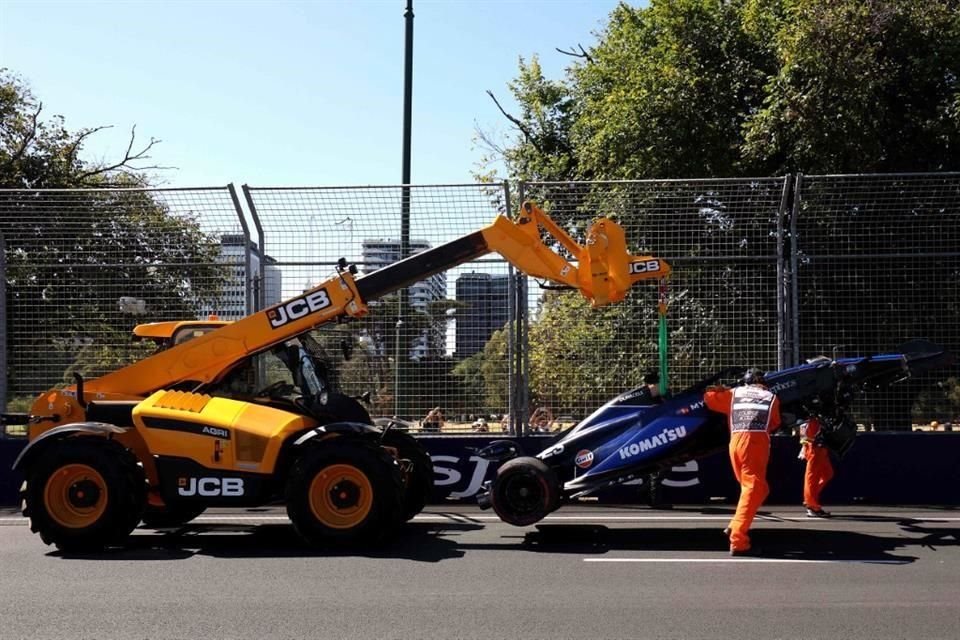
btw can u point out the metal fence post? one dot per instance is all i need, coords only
(247, 262)
(511, 322)
(794, 274)
(257, 293)
(783, 311)
(522, 361)
(3, 327)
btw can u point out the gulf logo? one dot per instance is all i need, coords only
(584, 458)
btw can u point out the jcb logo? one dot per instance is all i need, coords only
(644, 266)
(210, 487)
(298, 308)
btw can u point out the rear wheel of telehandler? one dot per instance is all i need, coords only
(344, 493)
(416, 470)
(175, 516)
(84, 493)
(524, 491)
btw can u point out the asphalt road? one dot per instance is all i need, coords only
(586, 572)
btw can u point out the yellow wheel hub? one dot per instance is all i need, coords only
(76, 496)
(341, 496)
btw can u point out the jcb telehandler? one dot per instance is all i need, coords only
(164, 438)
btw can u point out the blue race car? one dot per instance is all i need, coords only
(636, 434)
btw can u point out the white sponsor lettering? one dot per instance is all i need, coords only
(690, 466)
(216, 431)
(298, 308)
(211, 487)
(644, 266)
(662, 438)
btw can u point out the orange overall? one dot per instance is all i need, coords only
(819, 470)
(753, 412)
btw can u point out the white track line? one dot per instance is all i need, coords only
(746, 560)
(466, 517)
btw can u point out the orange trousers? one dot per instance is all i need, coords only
(818, 474)
(749, 455)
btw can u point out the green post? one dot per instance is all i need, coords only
(662, 346)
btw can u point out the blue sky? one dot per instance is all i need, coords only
(287, 93)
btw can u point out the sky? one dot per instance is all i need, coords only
(286, 93)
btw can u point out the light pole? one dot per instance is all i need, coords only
(396, 373)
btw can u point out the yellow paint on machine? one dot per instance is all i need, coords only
(256, 431)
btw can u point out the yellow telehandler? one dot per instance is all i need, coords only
(162, 439)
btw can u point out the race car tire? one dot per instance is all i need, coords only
(524, 491)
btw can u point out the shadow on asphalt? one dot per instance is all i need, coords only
(798, 544)
(419, 542)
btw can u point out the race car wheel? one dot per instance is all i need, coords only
(84, 493)
(344, 493)
(524, 491)
(175, 516)
(416, 471)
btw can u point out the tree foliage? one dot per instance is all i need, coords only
(71, 255)
(729, 88)
(692, 88)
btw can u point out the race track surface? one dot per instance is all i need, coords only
(586, 572)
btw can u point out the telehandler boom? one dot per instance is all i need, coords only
(162, 439)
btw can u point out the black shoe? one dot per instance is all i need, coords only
(817, 513)
(742, 552)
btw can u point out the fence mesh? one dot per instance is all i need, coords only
(84, 266)
(854, 265)
(721, 238)
(877, 263)
(428, 354)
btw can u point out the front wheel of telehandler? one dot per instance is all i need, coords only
(84, 493)
(344, 493)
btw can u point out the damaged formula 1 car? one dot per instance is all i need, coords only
(636, 434)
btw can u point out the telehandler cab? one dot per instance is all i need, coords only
(162, 439)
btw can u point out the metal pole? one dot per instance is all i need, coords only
(794, 274)
(511, 323)
(405, 178)
(3, 328)
(396, 373)
(782, 313)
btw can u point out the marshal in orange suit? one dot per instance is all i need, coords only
(753, 412)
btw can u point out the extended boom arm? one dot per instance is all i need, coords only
(603, 273)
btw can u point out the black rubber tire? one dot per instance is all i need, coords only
(125, 484)
(524, 491)
(365, 459)
(418, 477)
(175, 516)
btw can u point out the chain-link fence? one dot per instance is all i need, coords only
(441, 344)
(83, 267)
(721, 238)
(767, 272)
(876, 260)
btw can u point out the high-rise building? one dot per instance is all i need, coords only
(232, 303)
(485, 298)
(376, 254)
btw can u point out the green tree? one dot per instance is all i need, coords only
(861, 87)
(71, 255)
